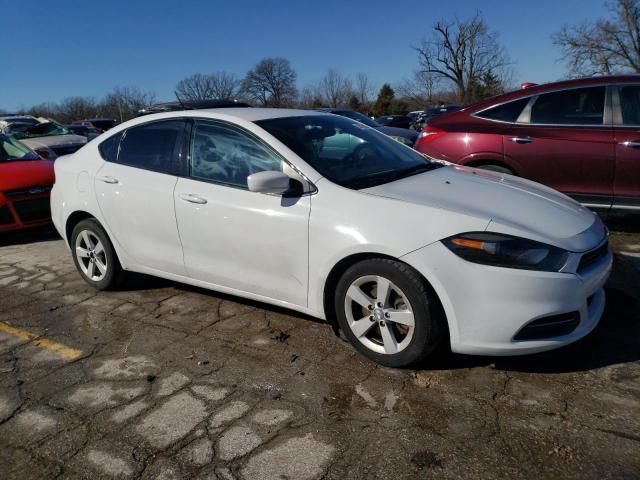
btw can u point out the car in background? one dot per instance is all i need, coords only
(25, 185)
(404, 252)
(403, 135)
(399, 121)
(84, 130)
(102, 124)
(425, 117)
(581, 137)
(48, 138)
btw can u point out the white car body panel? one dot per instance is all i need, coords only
(281, 251)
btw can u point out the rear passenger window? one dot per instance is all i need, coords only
(153, 146)
(580, 106)
(630, 105)
(109, 148)
(507, 112)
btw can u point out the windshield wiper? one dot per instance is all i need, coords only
(416, 169)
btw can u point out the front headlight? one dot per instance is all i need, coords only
(506, 251)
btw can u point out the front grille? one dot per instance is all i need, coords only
(65, 149)
(35, 190)
(32, 210)
(548, 327)
(5, 215)
(593, 256)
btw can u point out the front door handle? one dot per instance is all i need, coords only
(631, 144)
(521, 140)
(191, 198)
(108, 179)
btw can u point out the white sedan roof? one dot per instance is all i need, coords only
(255, 114)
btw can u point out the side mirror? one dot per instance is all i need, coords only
(269, 182)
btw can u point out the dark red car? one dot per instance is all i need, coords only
(581, 137)
(25, 186)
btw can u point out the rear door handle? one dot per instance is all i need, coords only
(108, 179)
(521, 140)
(631, 144)
(191, 198)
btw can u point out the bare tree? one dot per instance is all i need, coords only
(75, 108)
(463, 52)
(310, 97)
(272, 82)
(364, 89)
(219, 85)
(336, 88)
(123, 103)
(419, 90)
(604, 46)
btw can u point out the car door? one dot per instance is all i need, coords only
(135, 188)
(626, 186)
(233, 237)
(566, 142)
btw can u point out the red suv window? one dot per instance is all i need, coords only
(579, 106)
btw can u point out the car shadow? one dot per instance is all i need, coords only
(40, 234)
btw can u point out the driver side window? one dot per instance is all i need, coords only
(223, 154)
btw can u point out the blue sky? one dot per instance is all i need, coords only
(55, 49)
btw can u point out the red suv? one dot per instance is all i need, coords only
(581, 137)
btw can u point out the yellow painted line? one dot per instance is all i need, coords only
(62, 350)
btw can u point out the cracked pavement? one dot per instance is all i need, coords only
(165, 381)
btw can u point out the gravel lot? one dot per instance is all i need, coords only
(162, 380)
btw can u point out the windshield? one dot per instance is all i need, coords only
(346, 152)
(45, 129)
(11, 150)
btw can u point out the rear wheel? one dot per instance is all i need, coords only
(94, 256)
(388, 312)
(496, 168)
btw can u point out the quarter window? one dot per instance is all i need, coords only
(630, 105)
(580, 106)
(507, 112)
(224, 154)
(153, 146)
(109, 148)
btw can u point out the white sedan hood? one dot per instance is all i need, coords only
(513, 205)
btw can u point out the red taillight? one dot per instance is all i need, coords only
(43, 152)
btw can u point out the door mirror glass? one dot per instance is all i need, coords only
(269, 181)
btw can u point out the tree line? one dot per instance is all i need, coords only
(461, 61)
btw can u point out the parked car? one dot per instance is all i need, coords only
(403, 135)
(83, 130)
(580, 137)
(25, 185)
(421, 120)
(102, 124)
(403, 252)
(399, 121)
(48, 138)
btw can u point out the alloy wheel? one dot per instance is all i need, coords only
(91, 255)
(379, 314)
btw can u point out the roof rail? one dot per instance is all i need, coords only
(190, 105)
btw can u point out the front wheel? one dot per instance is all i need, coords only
(388, 312)
(94, 256)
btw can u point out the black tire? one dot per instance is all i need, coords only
(496, 168)
(114, 274)
(424, 304)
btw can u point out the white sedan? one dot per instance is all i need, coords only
(326, 216)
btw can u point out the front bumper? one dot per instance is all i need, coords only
(24, 210)
(487, 306)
